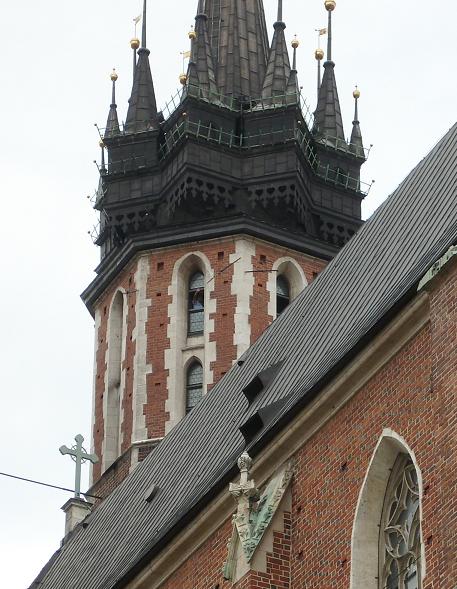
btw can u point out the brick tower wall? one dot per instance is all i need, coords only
(240, 306)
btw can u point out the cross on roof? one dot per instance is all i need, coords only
(79, 455)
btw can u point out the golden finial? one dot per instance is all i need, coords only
(192, 34)
(295, 42)
(183, 79)
(114, 75)
(135, 43)
(330, 5)
(356, 93)
(319, 54)
(101, 143)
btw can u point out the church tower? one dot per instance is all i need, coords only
(214, 215)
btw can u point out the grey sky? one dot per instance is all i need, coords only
(55, 60)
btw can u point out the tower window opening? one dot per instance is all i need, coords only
(194, 386)
(282, 294)
(196, 305)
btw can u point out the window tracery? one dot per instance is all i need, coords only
(400, 544)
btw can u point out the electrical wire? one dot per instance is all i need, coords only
(12, 476)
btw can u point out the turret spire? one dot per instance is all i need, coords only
(142, 112)
(356, 145)
(201, 76)
(293, 92)
(278, 69)
(112, 124)
(328, 122)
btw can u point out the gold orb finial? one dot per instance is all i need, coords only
(319, 54)
(135, 43)
(183, 79)
(295, 42)
(192, 34)
(101, 143)
(114, 75)
(330, 5)
(356, 93)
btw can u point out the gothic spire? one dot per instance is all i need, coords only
(356, 145)
(327, 119)
(278, 68)
(293, 91)
(112, 124)
(201, 74)
(142, 112)
(239, 41)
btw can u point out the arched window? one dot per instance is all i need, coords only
(196, 304)
(399, 540)
(194, 385)
(282, 294)
(116, 343)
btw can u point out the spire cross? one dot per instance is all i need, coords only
(80, 456)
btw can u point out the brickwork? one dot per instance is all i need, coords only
(220, 254)
(414, 394)
(264, 259)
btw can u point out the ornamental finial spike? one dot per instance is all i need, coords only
(330, 5)
(244, 462)
(295, 42)
(114, 75)
(356, 93)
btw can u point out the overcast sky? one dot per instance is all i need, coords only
(55, 60)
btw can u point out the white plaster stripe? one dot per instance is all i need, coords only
(98, 322)
(243, 289)
(141, 369)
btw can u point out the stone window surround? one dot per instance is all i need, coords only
(365, 532)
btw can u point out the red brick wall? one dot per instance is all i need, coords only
(203, 570)
(263, 260)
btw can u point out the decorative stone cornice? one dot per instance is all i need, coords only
(438, 267)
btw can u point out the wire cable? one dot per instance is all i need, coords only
(12, 476)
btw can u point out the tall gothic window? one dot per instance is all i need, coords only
(196, 304)
(194, 385)
(399, 546)
(282, 294)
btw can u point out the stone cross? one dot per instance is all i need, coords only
(79, 455)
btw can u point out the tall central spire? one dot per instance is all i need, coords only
(239, 41)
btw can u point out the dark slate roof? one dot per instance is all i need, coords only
(328, 121)
(278, 69)
(142, 112)
(112, 123)
(201, 68)
(376, 273)
(239, 40)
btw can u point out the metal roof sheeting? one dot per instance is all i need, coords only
(375, 271)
